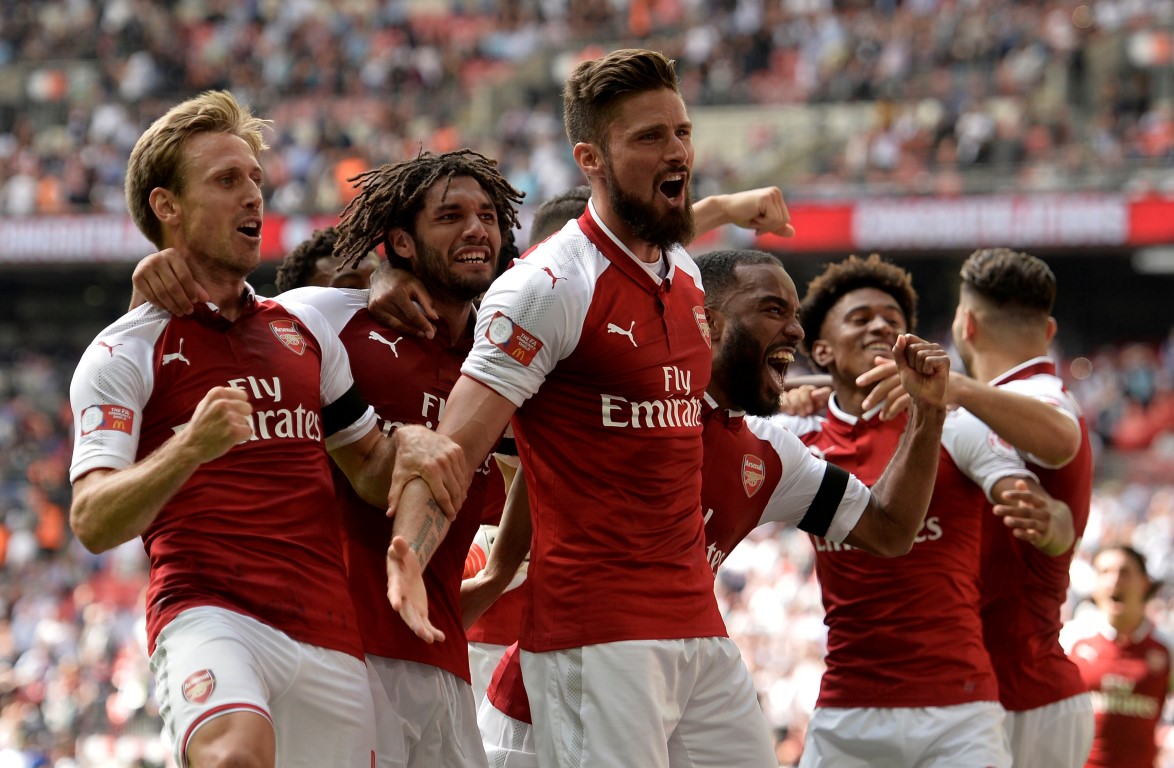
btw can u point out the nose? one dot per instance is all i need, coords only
(880, 324)
(475, 229)
(254, 197)
(677, 151)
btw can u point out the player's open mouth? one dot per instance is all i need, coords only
(251, 228)
(472, 256)
(673, 187)
(777, 363)
(880, 348)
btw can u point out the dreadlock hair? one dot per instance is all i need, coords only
(300, 263)
(557, 211)
(848, 275)
(1015, 283)
(717, 271)
(390, 197)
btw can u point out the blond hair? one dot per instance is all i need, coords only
(158, 158)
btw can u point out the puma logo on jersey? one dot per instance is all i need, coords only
(171, 358)
(109, 348)
(375, 336)
(613, 328)
(553, 277)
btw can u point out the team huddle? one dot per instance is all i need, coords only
(309, 473)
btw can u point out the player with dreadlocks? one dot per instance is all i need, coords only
(442, 217)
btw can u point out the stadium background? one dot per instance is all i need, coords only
(920, 129)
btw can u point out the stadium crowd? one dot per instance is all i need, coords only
(922, 96)
(74, 683)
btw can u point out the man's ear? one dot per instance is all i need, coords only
(164, 204)
(969, 324)
(1051, 329)
(821, 353)
(589, 158)
(403, 243)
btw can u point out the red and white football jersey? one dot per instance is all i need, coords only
(905, 632)
(1023, 589)
(1129, 677)
(407, 379)
(253, 531)
(608, 364)
(757, 472)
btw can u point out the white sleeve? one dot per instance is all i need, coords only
(808, 494)
(1048, 389)
(979, 453)
(797, 425)
(529, 321)
(109, 391)
(336, 378)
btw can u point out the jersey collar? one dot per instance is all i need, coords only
(1035, 365)
(842, 415)
(621, 256)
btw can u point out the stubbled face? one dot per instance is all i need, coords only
(457, 240)
(861, 326)
(1120, 588)
(648, 163)
(759, 336)
(327, 273)
(221, 205)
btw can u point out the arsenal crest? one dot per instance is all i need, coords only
(199, 686)
(288, 334)
(702, 325)
(753, 474)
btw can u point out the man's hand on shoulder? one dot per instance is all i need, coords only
(164, 280)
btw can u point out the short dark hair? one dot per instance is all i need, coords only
(718, 267)
(557, 211)
(1138, 558)
(300, 264)
(390, 197)
(849, 275)
(594, 91)
(1010, 280)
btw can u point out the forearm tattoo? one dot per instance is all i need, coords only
(426, 541)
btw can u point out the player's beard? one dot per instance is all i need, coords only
(739, 364)
(440, 278)
(662, 230)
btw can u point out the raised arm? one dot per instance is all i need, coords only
(475, 417)
(1033, 426)
(762, 210)
(113, 506)
(901, 496)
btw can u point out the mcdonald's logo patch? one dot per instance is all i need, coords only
(107, 418)
(512, 338)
